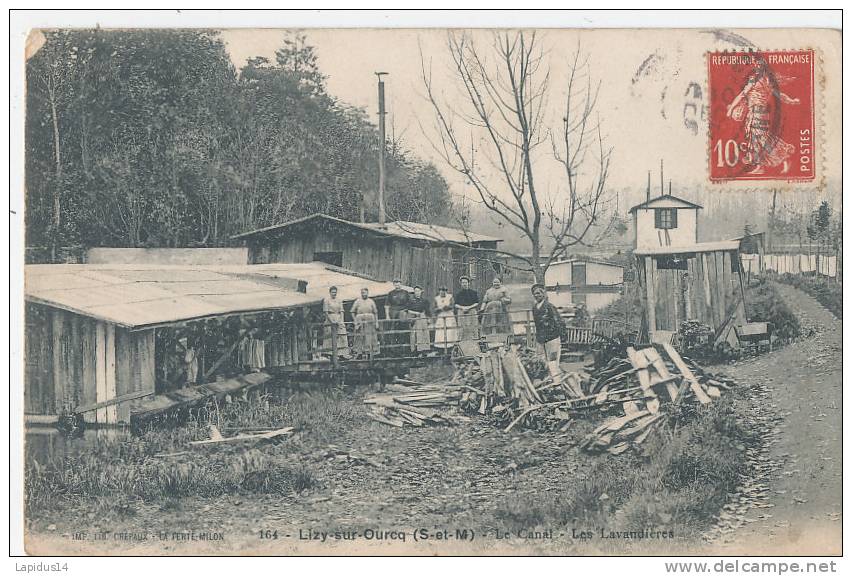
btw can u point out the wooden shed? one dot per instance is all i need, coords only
(702, 282)
(580, 273)
(415, 253)
(99, 337)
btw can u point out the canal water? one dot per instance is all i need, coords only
(43, 443)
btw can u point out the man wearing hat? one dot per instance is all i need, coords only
(548, 328)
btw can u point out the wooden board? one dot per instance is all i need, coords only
(57, 318)
(705, 287)
(687, 374)
(100, 370)
(720, 285)
(650, 294)
(109, 341)
(728, 286)
(75, 390)
(662, 371)
(661, 293)
(145, 361)
(691, 311)
(713, 299)
(124, 353)
(88, 374)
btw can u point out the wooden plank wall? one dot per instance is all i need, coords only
(73, 361)
(383, 258)
(38, 358)
(712, 290)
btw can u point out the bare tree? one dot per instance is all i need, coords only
(493, 139)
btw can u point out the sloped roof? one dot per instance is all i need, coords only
(665, 198)
(400, 229)
(138, 295)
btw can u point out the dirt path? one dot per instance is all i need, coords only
(804, 384)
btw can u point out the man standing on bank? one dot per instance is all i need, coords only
(548, 328)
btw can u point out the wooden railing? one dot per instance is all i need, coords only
(396, 337)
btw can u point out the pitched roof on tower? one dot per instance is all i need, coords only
(665, 201)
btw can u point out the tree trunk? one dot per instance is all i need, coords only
(57, 189)
(537, 267)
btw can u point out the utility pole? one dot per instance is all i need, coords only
(381, 148)
(648, 190)
(661, 178)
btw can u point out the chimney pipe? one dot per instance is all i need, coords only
(381, 149)
(661, 177)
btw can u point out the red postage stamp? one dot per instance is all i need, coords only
(761, 115)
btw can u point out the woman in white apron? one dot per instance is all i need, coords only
(366, 316)
(335, 332)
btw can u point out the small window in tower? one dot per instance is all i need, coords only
(665, 218)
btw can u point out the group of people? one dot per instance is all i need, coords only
(417, 323)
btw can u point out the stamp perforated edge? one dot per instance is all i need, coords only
(819, 182)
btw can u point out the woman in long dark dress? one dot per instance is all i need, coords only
(467, 304)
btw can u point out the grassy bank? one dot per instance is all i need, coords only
(827, 292)
(678, 483)
(159, 464)
(343, 470)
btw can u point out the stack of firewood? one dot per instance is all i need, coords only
(507, 382)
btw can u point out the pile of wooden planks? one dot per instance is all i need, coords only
(638, 386)
(511, 384)
(651, 379)
(413, 406)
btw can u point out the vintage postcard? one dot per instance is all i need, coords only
(365, 291)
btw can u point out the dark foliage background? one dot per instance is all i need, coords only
(153, 138)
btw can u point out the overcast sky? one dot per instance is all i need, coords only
(653, 88)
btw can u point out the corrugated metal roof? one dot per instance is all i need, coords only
(430, 232)
(400, 229)
(720, 246)
(139, 295)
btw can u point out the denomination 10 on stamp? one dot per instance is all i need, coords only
(761, 115)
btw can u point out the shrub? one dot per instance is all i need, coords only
(764, 304)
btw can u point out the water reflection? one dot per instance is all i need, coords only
(43, 444)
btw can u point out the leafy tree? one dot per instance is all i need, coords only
(152, 138)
